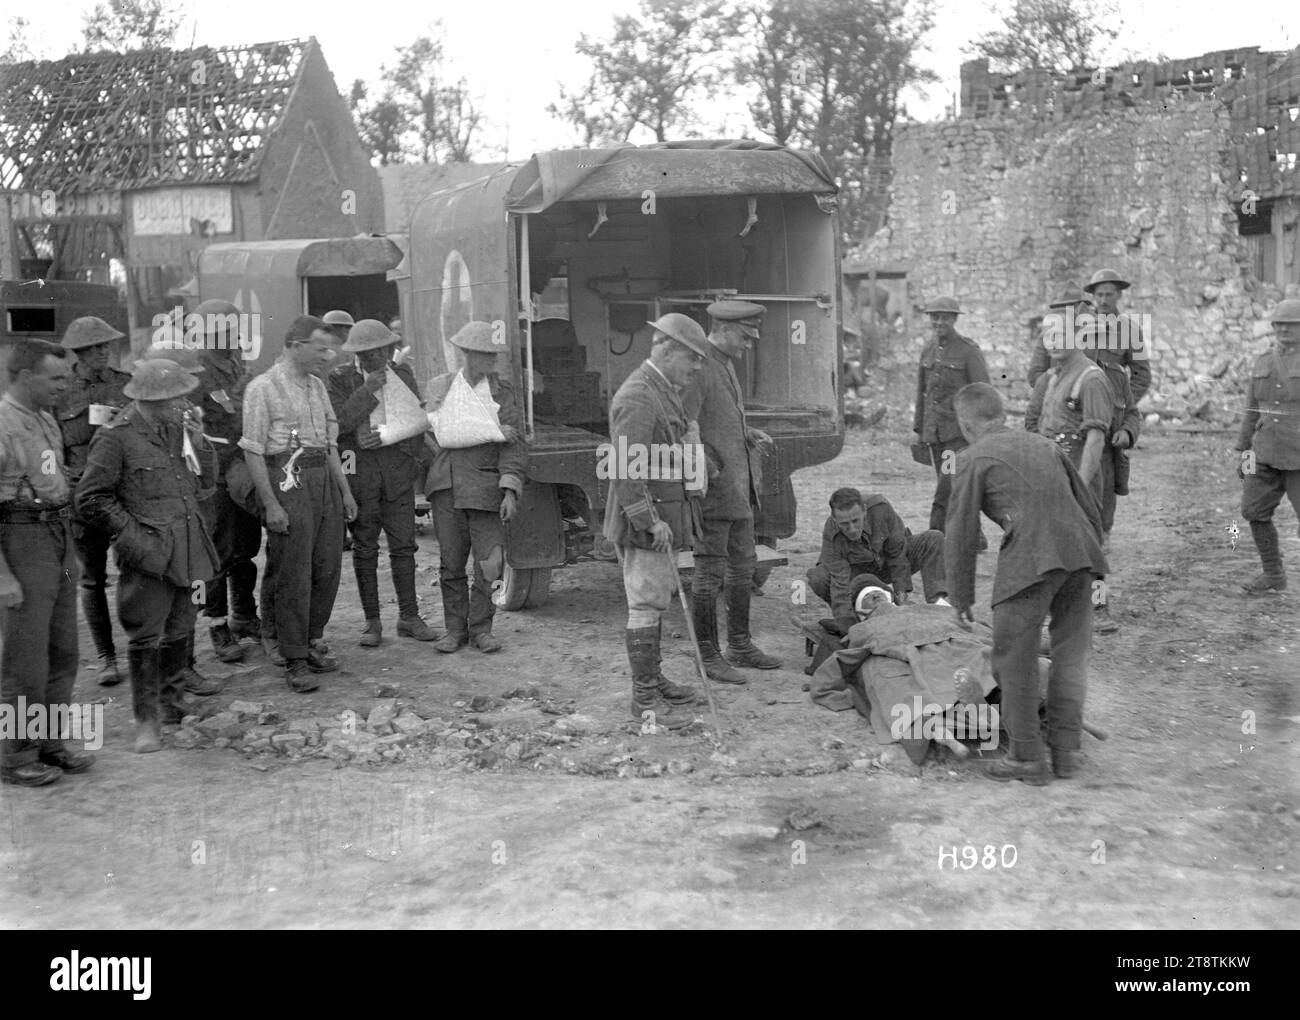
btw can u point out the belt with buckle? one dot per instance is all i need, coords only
(11, 514)
(312, 455)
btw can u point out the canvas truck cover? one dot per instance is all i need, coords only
(265, 277)
(672, 170)
(461, 253)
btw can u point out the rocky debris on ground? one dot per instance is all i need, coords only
(574, 725)
(804, 817)
(486, 732)
(386, 728)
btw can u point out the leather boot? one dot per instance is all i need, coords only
(704, 612)
(741, 650)
(109, 674)
(367, 587)
(173, 664)
(1031, 773)
(143, 664)
(403, 571)
(372, 635)
(224, 643)
(1273, 579)
(194, 681)
(646, 698)
(245, 627)
(94, 606)
(644, 655)
(1066, 763)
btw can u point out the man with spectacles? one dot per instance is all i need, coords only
(290, 443)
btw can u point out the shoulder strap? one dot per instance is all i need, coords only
(668, 421)
(1078, 383)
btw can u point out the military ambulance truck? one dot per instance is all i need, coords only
(570, 255)
(273, 282)
(44, 309)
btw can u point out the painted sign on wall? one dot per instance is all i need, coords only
(204, 212)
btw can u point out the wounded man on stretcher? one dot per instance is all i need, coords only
(916, 675)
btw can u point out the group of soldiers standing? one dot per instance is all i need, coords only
(180, 465)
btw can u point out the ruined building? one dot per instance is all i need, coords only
(121, 168)
(1180, 175)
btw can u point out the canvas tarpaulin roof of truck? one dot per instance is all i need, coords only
(693, 168)
(402, 270)
(362, 255)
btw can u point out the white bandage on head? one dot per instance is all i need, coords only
(868, 599)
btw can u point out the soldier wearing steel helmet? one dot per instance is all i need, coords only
(649, 518)
(168, 349)
(382, 478)
(340, 323)
(231, 606)
(474, 491)
(1269, 444)
(1123, 352)
(143, 483)
(949, 361)
(1070, 302)
(94, 394)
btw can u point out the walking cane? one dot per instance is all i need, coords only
(695, 647)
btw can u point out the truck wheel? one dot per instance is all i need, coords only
(524, 589)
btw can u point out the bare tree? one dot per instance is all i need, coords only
(122, 25)
(1048, 35)
(651, 70)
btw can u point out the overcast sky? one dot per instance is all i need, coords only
(515, 52)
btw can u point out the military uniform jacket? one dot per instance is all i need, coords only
(1073, 401)
(220, 396)
(646, 414)
(103, 387)
(716, 403)
(476, 474)
(388, 470)
(1271, 426)
(1127, 371)
(138, 488)
(1050, 520)
(881, 548)
(1127, 368)
(945, 368)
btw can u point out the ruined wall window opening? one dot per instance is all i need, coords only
(1256, 223)
(1256, 228)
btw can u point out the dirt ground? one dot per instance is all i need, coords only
(510, 810)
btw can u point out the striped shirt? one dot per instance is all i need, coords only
(31, 456)
(276, 402)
